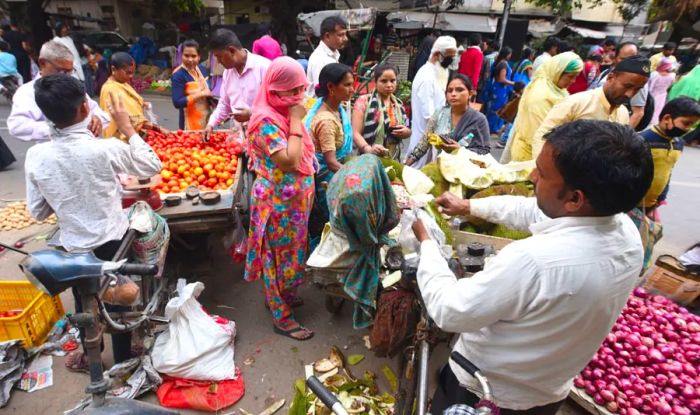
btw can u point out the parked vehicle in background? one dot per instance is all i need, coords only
(101, 40)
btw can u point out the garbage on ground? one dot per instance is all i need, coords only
(38, 375)
(210, 396)
(357, 395)
(273, 408)
(12, 361)
(62, 339)
(129, 380)
(197, 345)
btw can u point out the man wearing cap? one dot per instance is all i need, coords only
(604, 103)
(428, 90)
(638, 102)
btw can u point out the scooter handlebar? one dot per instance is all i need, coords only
(138, 269)
(325, 396)
(464, 363)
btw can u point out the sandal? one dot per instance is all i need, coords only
(290, 333)
(76, 361)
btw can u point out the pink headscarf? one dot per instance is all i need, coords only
(283, 74)
(665, 65)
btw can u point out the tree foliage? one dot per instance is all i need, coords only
(188, 6)
(559, 7)
(675, 10)
(629, 9)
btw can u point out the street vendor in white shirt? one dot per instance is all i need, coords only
(537, 313)
(26, 121)
(334, 36)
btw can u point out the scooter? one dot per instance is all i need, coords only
(54, 271)
(484, 407)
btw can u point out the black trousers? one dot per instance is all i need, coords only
(121, 342)
(449, 392)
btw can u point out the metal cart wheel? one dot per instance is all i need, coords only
(334, 304)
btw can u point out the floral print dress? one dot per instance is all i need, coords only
(280, 207)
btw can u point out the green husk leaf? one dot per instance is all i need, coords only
(431, 208)
(391, 378)
(300, 403)
(354, 359)
(432, 170)
(397, 167)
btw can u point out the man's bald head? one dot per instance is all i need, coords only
(625, 50)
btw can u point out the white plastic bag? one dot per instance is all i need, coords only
(194, 346)
(407, 238)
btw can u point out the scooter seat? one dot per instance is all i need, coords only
(55, 271)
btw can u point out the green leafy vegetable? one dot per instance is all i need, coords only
(355, 359)
(391, 378)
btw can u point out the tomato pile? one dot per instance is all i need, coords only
(187, 160)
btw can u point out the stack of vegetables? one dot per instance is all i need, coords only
(16, 216)
(467, 175)
(188, 160)
(650, 362)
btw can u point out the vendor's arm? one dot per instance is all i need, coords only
(223, 109)
(26, 121)
(470, 304)
(516, 212)
(560, 114)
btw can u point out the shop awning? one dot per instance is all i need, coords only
(609, 31)
(541, 28)
(358, 19)
(451, 22)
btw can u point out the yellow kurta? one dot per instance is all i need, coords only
(587, 105)
(133, 103)
(656, 59)
(538, 98)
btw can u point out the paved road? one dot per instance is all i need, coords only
(277, 360)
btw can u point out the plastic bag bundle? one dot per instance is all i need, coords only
(407, 238)
(196, 346)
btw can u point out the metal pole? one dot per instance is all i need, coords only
(423, 379)
(504, 21)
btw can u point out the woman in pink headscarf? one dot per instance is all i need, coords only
(282, 155)
(659, 83)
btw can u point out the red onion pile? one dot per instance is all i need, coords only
(650, 362)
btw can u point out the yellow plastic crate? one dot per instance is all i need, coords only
(39, 312)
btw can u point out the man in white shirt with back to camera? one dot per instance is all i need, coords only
(26, 121)
(334, 35)
(537, 313)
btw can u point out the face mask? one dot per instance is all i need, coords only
(446, 61)
(676, 132)
(286, 102)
